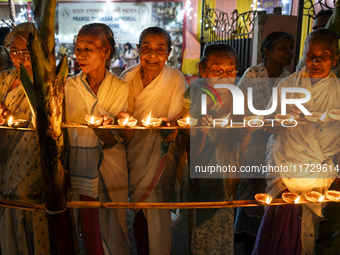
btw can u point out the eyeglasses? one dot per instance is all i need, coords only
(24, 53)
(219, 72)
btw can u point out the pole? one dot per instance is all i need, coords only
(202, 28)
(11, 10)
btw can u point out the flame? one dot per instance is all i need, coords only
(148, 119)
(321, 198)
(126, 121)
(10, 120)
(297, 200)
(188, 120)
(256, 119)
(268, 200)
(291, 119)
(227, 119)
(323, 115)
(92, 120)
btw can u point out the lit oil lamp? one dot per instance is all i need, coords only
(187, 122)
(93, 121)
(127, 122)
(151, 122)
(16, 123)
(333, 195)
(296, 201)
(314, 196)
(290, 198)
(263, 198)
(253, 121)
(316, 116)
(288, 119)
(334, 114)
(222, 122)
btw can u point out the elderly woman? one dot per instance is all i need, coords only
(307, 144)
(23, 232)
(157, 89)
(277, 52)
(97, 159)
(213, 232)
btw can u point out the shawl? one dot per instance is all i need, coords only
(152, 162)
(164, 98)
(310, 144)
(19, 150)
(85, 149)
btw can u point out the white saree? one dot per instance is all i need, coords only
(23, 232)
(310, 143)
(96, 171)
(152, 175)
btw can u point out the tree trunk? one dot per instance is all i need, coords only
(46, 96)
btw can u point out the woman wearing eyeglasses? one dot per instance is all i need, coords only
(22, 232)
(97, 158)
(277, 52)
(213, 231)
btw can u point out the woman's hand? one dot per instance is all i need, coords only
(122, 115)
(107, 120)
(4, 111)
(127, 134)
(105, 134)
(172, 135)
(206, 120)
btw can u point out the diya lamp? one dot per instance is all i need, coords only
(334, 114)
(254, 121)
(333, 195)
(221, 122)
(151, 122)
(263, 198)
(316, 116)
(127, 122)
(314, 196)
(16, 123)
(291, 198)
(93, 121)
(187, 122)
(288, 119)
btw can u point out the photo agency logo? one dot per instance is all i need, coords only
(238, 104)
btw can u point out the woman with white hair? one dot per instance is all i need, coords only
(23, 232)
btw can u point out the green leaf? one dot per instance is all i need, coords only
(335, 27)
(334, 21)
(29, 91)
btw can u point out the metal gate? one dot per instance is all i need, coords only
(236, 29)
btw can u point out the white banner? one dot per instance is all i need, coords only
(126, 20)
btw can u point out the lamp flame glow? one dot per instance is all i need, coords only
(321, 198)
(10, 120)
(92, 120)
(297, 200)
(148, 119)
(323, 115)
(268, 200)
(227, 119)
(126, 121)
(188, 120)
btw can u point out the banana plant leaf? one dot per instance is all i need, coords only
(334, 21)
